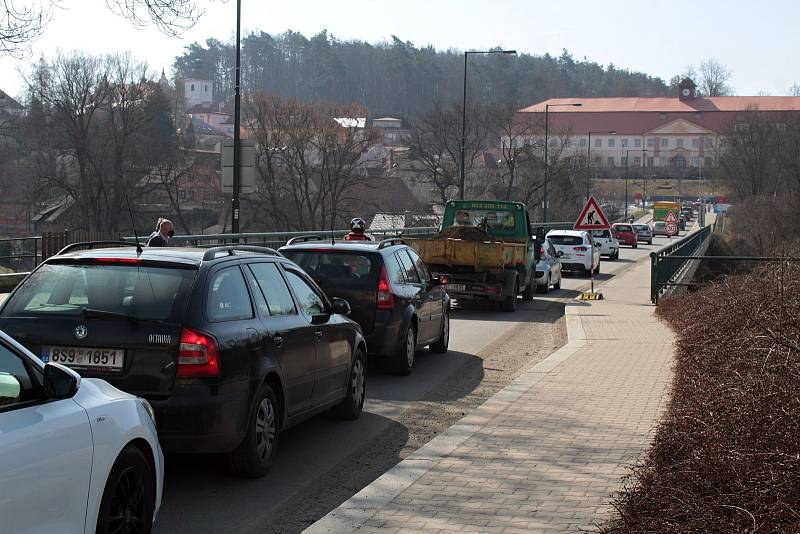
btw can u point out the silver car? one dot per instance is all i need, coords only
(548, 268)
(643, 232)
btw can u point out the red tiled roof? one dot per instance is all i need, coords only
(666, 104)
(637, 116)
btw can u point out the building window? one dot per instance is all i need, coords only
(709, 142)
(623, 161)
(649, 161)
(741, 127)
(598, 142)
(695, 142)
(624, 143)
(698, 115)
(650, 142)
(637, 161)
(679, 142)
(611, 143)
(637, 143)
(611, 161)
(662, 116)
(680, 161)
(582, 142)
(205, 88)
(192, 87)
(664, 142)
(695, 162)
(662, 161)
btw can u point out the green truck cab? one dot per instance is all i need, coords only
(496, 268)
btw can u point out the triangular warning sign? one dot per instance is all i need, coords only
(592, 217)
(670, 218)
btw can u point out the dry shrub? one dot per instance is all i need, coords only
(726, 458)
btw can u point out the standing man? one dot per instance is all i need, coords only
(160, 238)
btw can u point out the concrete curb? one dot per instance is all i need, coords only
(357, 510)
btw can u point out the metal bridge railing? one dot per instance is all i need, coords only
(278, 239)
(669, 262)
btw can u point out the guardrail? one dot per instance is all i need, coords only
(669, 262)
(278, 239)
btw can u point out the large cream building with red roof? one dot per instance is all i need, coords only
(680, 131)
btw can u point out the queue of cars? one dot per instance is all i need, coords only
(223, 347)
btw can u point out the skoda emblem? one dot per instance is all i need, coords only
(81, 331)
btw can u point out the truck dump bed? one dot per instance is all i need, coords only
(480, 255)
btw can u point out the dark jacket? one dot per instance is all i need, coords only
(157, 240)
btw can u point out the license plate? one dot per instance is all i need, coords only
(455, 287)
(86, 357)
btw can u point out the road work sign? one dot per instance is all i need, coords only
(671, 226)
(592, 217)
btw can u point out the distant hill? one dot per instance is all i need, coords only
(396, 78)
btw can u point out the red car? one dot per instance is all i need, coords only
(625, 234)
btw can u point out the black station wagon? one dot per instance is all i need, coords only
(230, 345)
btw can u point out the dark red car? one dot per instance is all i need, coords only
(625, 234)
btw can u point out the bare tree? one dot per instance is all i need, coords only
(307, 162)
(21, 22)
(714, 78)
(435, 145)
(794, 90)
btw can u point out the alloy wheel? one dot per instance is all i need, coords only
(410, 347)
(127, 508)
(357, 383)
(265, 429)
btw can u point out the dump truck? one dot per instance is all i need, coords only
(487, 249)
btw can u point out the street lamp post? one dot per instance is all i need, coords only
(464, 109)
(546, 147)
(589, 159)
(627, 173)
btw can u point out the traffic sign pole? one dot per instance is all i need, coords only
(592, 218)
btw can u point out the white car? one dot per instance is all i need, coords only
(609, 245)
(76, 455)
(548, 268)
(576, 250)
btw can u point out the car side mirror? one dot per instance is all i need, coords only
(340, 306)
(60, 382)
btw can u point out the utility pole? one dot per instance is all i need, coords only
(236, 124)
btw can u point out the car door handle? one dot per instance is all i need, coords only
(318, 334)
(277, 339)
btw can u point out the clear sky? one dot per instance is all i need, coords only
(758, 40)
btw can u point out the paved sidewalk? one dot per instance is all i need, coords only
(545, 453)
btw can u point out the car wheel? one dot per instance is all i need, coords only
(253, 457)
(529, 290)
(129, 496)
(546, 287)
(441, 345)
(404, 360)
(509, 303)
(351, 406)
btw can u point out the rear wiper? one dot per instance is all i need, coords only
(105, 314)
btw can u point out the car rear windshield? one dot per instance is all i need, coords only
(142, 292)
(623, 228)
(345, 269)
(565, 239)
(601, 233)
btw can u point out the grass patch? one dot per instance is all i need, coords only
(726, 457)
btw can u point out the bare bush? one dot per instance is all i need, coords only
(726, 456)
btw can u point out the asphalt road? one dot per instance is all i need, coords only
(324, 461)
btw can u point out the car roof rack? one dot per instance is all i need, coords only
(231, 250)
(390, 242)
(303, 239)
(91, 244)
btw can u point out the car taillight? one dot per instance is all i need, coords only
(198, 354)
(384, 296)
(581, 249)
